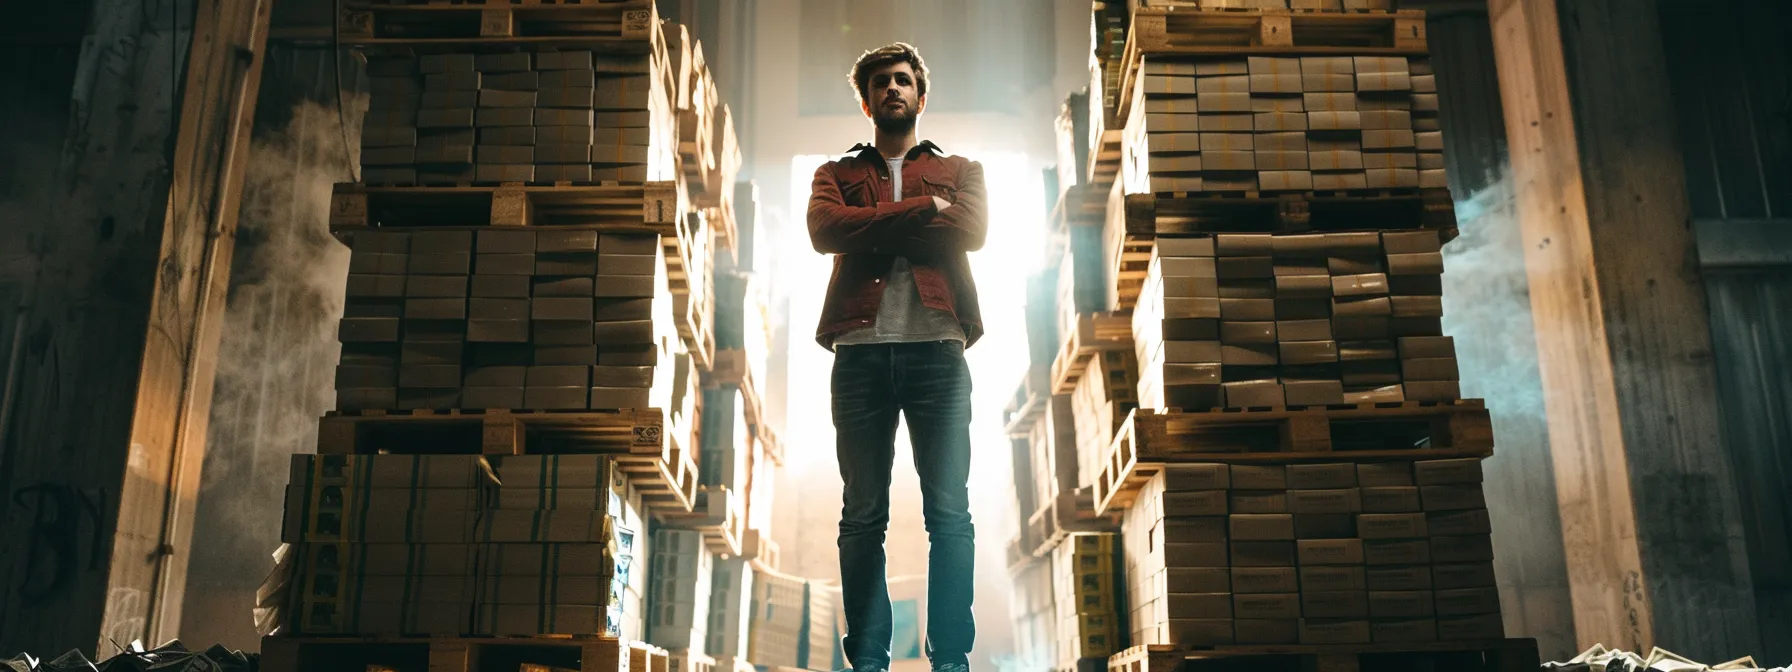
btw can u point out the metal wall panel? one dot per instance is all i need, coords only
(1730, 73)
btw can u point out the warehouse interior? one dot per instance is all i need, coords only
(213, 215)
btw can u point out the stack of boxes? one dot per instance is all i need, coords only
(434, 545)
(730, 605)
(1253, 320)
(494, 318)
(1338, 553)
(386, 543)
(547, 116)
(1085, 583)
(779, 617)
(1034, 605)
(682, 583)
(1267, 123)
(821, 641)
(554, 558)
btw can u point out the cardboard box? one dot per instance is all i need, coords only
(1387, 159)
(1195, 503)
(1266, 606)
(1391, 499)
(1198, 580)
(1231, 122)
(1259, 477)
(1466, 522)
(1259, 501)
(1338, 500)
(1200, 631)
(1248, 309)
(1397, 178)
(1194, 530)
(1396, 551)
(1262, 553)
(1332, 578)
(1253, 394)
(1327, 74)
(1340, 180)
(1327, 631)
(1399, 577)
(1452, 497)
(1268, 631)
(1261, 527)
(1447, 472)
(1305, 330)
(1247, 580)
(1324, 526)
(500, 286)
(1285, 180)
(1185, 477)
(1334, 604)
(1387, 474)
(1386, 121)
(1391, 525)
(1196, 554)
(1401, 604)
(1312, 392)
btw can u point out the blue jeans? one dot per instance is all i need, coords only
(930, 385)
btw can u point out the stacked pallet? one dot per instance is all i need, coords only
(528, 333)
(1313, 554)
(1085, 583)
(681, 578)
(1299, 468)
(778, 620)
(500, 318)
(434, 545)
(1277, 124)
(529, 116)
(1258, 320)
(1033, 606)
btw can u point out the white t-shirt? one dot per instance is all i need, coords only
(901, 317)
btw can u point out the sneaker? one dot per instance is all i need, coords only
(952, 667)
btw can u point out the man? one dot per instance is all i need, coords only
(899, 216)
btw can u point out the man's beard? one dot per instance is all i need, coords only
(895, 123)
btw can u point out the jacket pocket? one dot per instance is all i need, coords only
(939, 187)
(859, 192)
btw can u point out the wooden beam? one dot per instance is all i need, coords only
(1649, 519)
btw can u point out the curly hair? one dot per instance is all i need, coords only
(871, 61)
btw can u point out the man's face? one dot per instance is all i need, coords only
(892, 99)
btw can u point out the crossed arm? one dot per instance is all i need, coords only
(913, 227)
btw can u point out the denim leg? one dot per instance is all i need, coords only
(934, 385)
(865, 416)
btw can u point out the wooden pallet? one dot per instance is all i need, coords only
(1194, 30)
(1291, 211)
(644, 657)
(759, 548)
(652, 207)
(689, 271)
(731, 370)
(1506, 655)
(1131, 237)
(663, 469)
(613, 26)
(1410, 430)
(717, 514)
(1095, 333)
(1104, 160)
(686, 660)
(442, 654)
(1069, 513)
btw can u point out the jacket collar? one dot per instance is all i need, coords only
(868, 152)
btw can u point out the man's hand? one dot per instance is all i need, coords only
(940, 203)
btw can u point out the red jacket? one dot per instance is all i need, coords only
(853, 216)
